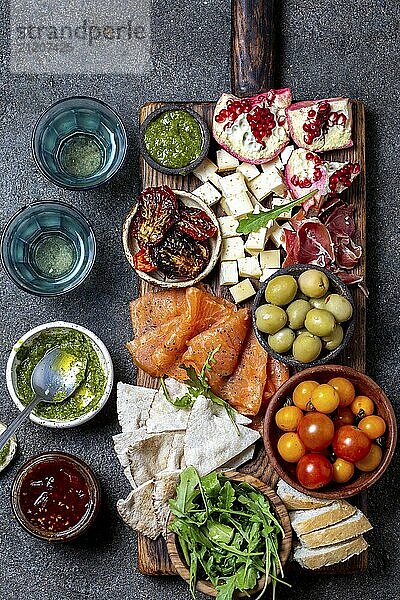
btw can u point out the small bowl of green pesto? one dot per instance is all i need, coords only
(92, 394)
(174, 139)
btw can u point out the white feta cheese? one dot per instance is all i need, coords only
(233, 184)
(228, 226)
(232, 248)
(239, 205)
(267, 183)
(242, 291)
(228, 273)
(256, 240)
(205, 170)
(275, 163)
(208, 193)
(248, 171)
(215, 179)
(266, 274)
(249, 267)
(270, 259)
(285, 154)
(277, 234)
(225, 161)
(223, 204)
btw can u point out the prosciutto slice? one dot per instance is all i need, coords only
(310, 244)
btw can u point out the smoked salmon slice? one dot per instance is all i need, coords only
(155, 308)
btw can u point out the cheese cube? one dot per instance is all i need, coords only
(270, 259)
(248, 171)
(256, 240)
(205, 170)
(239, 204)
(277, 234)
(249, 267)
(223, 204)
(228, 226)
(286, 154)
(225, 161)
(215, 179)
(275, 163)
(208, 193)
(267, 183)
(242, 291)
(232, 248)
(233, 184)
(266, 274)
(228, 273)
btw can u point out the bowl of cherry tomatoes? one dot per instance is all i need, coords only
(330, 431)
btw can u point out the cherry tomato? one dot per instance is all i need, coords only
(345, 389)
(314, 471)
(290, 447)
(343, 470)
(371, 461)
(344, 416)
(373, 426)
(288, 418)
(325, 398)
(362, 406)
(302, 394)
(316, 431)
(351, 443)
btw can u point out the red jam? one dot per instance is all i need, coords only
(54, 495)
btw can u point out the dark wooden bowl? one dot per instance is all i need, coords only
(168, 170)
(281, 513)
(364, 386)
(336, 286)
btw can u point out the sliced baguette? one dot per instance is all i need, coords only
(294, 500)
(305, 521)
(345, 530)
(329, 555)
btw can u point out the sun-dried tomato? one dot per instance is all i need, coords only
(179, 255)
(196, 223)
(157, 211)
(143, 260)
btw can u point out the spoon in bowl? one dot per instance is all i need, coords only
(54, 379)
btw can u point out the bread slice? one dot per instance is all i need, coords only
(294, 500)
(329, 555)
(345, 530)
(305, 521)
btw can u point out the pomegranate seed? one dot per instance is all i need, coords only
(356, 168)
(311, 113)
(334, 178)
(295, 180)
(306, 182)
(341, 120)
(309, 156)
(317, 174)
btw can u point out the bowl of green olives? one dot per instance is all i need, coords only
(303, 315)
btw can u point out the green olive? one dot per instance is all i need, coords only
(318, 302)
(270, 318)
(339, 306)
(320, 322)
(282, 340)
(281, 290)
(297, 311)
(313, 283)
(306, 347)
(333, 341)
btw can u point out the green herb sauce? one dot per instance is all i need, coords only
(4, 453)
(174, 139)
(86, 398)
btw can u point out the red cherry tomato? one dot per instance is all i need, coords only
(344, 416)
(314, 471)
(351, 443)
(316, 431)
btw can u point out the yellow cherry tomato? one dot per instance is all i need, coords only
(343, 470)
(373, 426)
(362, 406)
(290, 447)
(288, 418)
(325, 399)
(372, 460)
(345, 389)
(302, 394)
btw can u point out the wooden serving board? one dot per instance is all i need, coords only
(152, 555)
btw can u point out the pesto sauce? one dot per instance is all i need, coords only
(174, 139)
(87, 396)
(4, 453)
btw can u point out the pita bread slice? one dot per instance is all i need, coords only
(122, 441)
(153, 454)
(164, 489)
(211, 439)
(133, 405)
(240, 459)
(137, 510)
(164, 416)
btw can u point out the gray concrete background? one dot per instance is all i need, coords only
(327, 48)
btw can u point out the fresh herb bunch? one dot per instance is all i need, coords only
(252, 222)
(199, 386)
(227, 533)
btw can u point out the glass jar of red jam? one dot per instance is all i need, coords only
(55, 496)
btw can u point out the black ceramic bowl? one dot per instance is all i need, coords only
(192, 165)
(336, 286)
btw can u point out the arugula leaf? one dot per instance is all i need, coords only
(186, 491)
(252, 222)
(218, 532)
(185, 401)
(211, 484)
(226, 590)
(227, 496)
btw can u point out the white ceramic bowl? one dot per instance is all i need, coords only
(101, 351)
(157, 278)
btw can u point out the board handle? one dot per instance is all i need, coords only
(252, 46)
